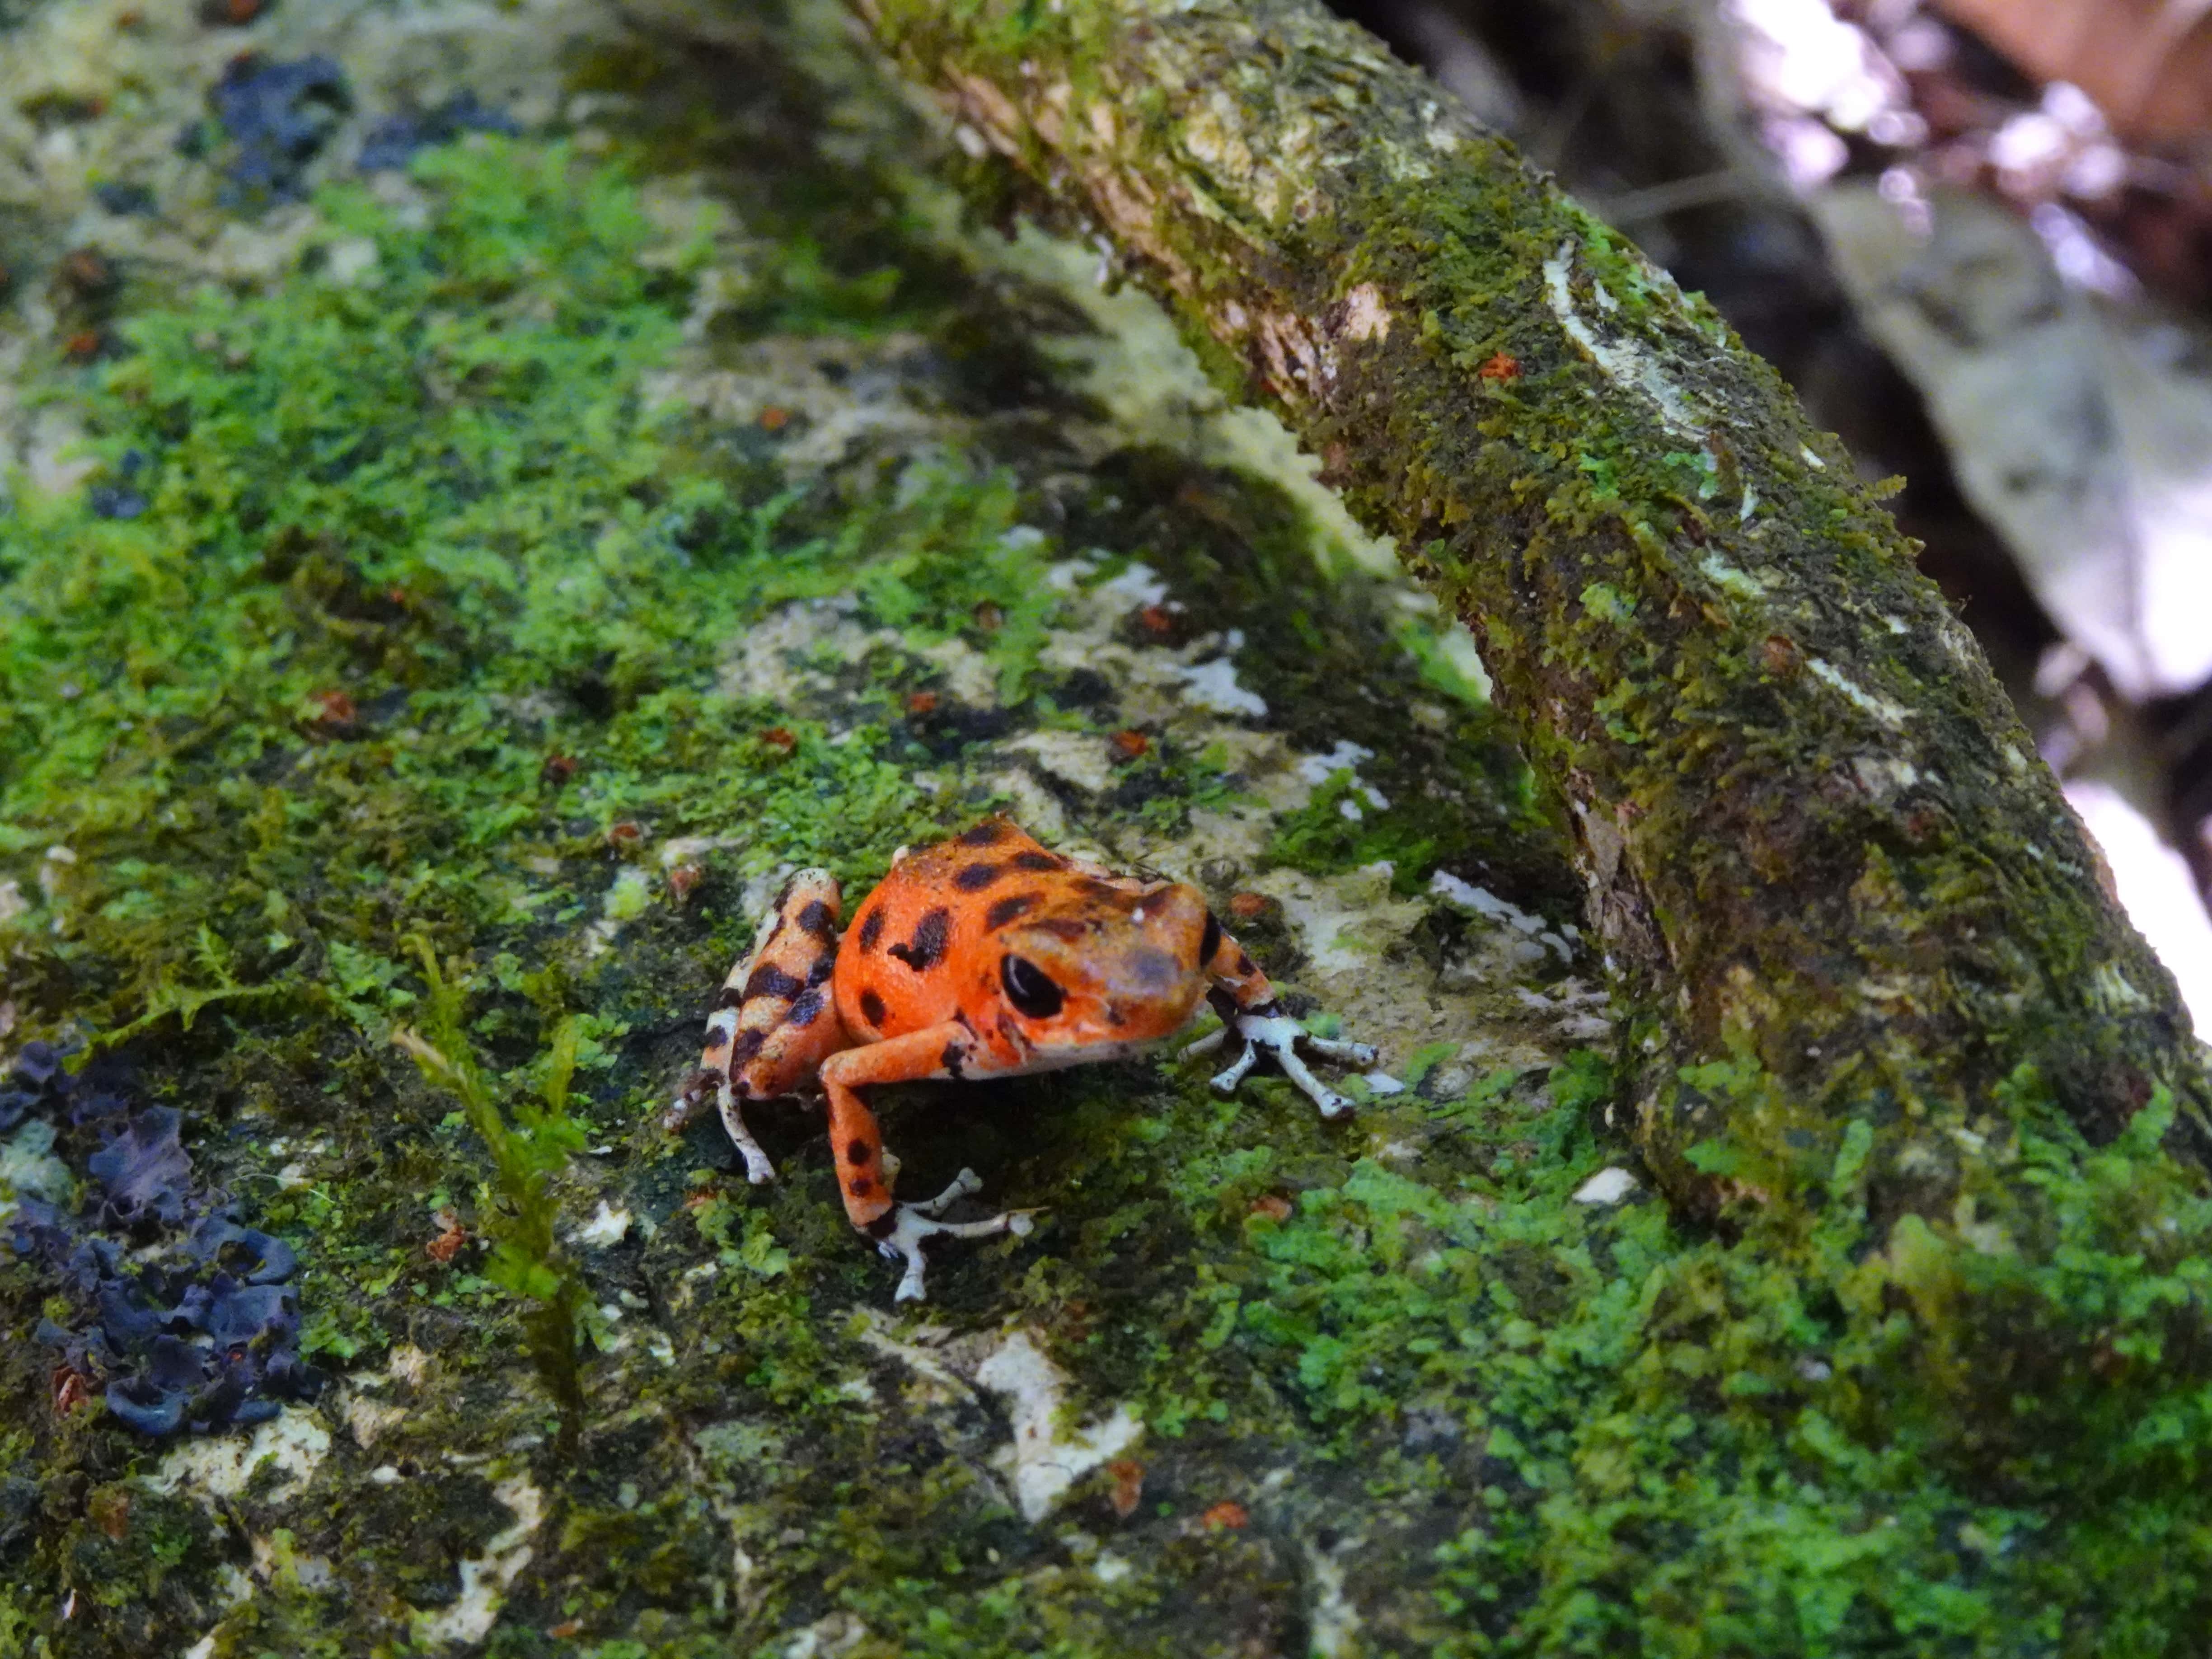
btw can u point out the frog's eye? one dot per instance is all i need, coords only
(1030, 988)
(1211, 942)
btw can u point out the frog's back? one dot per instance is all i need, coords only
(918, 951)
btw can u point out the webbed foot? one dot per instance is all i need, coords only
(1280, 1037)
(686, 1108)
(912, 1222)
(758, 1170)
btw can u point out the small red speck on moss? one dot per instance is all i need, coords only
(447, 1244)
(1128, 1485)
(331, 711)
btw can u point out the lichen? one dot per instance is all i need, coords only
(557, 561)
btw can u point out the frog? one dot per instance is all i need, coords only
(986, 955)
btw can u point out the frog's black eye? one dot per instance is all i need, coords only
(1211, 942)
(1030, 988)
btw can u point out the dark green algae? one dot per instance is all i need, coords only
(1488, 1418)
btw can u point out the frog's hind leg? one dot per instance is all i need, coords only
(774, 1022)
(1252, 1015)
(866, 1170)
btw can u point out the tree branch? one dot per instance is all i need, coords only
(1832, 878)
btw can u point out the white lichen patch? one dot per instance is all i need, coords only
(1577, 1011)
(1136, 585)
(938, 1373)
(1344, 756)
(1333, 1618)
(827, 399)
(1729, 580)
(1607, 1186)
(367, 1420)
(1465, 896)
(780, 659)
(1048, 1455)
(408, 1365)
(970, 675)
(1366, 316)
(1867, 702)
(294, 1444)
(1625, 362)
(484, 1578)
(1343, 922)
(831, 1636)
(1884, 774)
(608, 1227)
(691, 849)
(1031, 805)
(1213, 686)
(1045, 1454)
(1080, 759)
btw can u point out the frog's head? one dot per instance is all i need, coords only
(1104, 966)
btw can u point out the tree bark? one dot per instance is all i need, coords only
(1832, 878)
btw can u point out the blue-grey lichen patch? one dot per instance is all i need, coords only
(394, 140)
(274, 117)
(178, 1313)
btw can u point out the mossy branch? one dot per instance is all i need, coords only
(527, 1260)
(1833, 881)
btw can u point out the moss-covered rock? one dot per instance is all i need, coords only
(525, 558)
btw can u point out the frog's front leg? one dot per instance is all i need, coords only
(866, 1170)
(1251, 1012)
(774, 1022)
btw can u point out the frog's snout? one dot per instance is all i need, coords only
(1174, 922)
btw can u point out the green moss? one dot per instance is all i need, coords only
(1512, 1423)
(1414, 834)
(529, 1144)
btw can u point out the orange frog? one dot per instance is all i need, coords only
(983, 955)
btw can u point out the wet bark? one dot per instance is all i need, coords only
(1832, 878)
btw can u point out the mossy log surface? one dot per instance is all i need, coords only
(447, 575)
(1826, 864)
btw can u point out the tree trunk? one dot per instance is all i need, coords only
(1832, 879)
